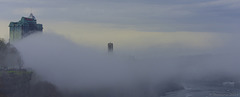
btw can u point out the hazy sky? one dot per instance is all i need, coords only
(194, 23)
(143, 29)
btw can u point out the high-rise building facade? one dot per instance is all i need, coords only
(110, 47)
(23, 28)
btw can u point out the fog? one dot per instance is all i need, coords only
(71, 66)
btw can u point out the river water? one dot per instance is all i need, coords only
(193, 90)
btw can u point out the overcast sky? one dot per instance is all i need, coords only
(99, 21)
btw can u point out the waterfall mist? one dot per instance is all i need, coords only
(77, 68)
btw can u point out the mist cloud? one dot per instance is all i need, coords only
(73, 66)
(68, 65)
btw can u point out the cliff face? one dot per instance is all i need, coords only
(9, 57)
(18, 83)
(15, 83)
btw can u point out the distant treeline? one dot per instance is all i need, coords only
(9, 56)
(18, 82)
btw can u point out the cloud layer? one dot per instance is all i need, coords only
(151, 15)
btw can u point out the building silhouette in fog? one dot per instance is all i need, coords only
(23, 28)
(110, 47)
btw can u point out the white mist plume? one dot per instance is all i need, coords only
(68, 65)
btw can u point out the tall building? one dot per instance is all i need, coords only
(23, 28)
(110, 47)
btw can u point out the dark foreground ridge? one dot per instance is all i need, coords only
(18, 83)
(15, 81)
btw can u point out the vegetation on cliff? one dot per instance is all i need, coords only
(15, 81)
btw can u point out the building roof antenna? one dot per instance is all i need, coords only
(31, 15)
